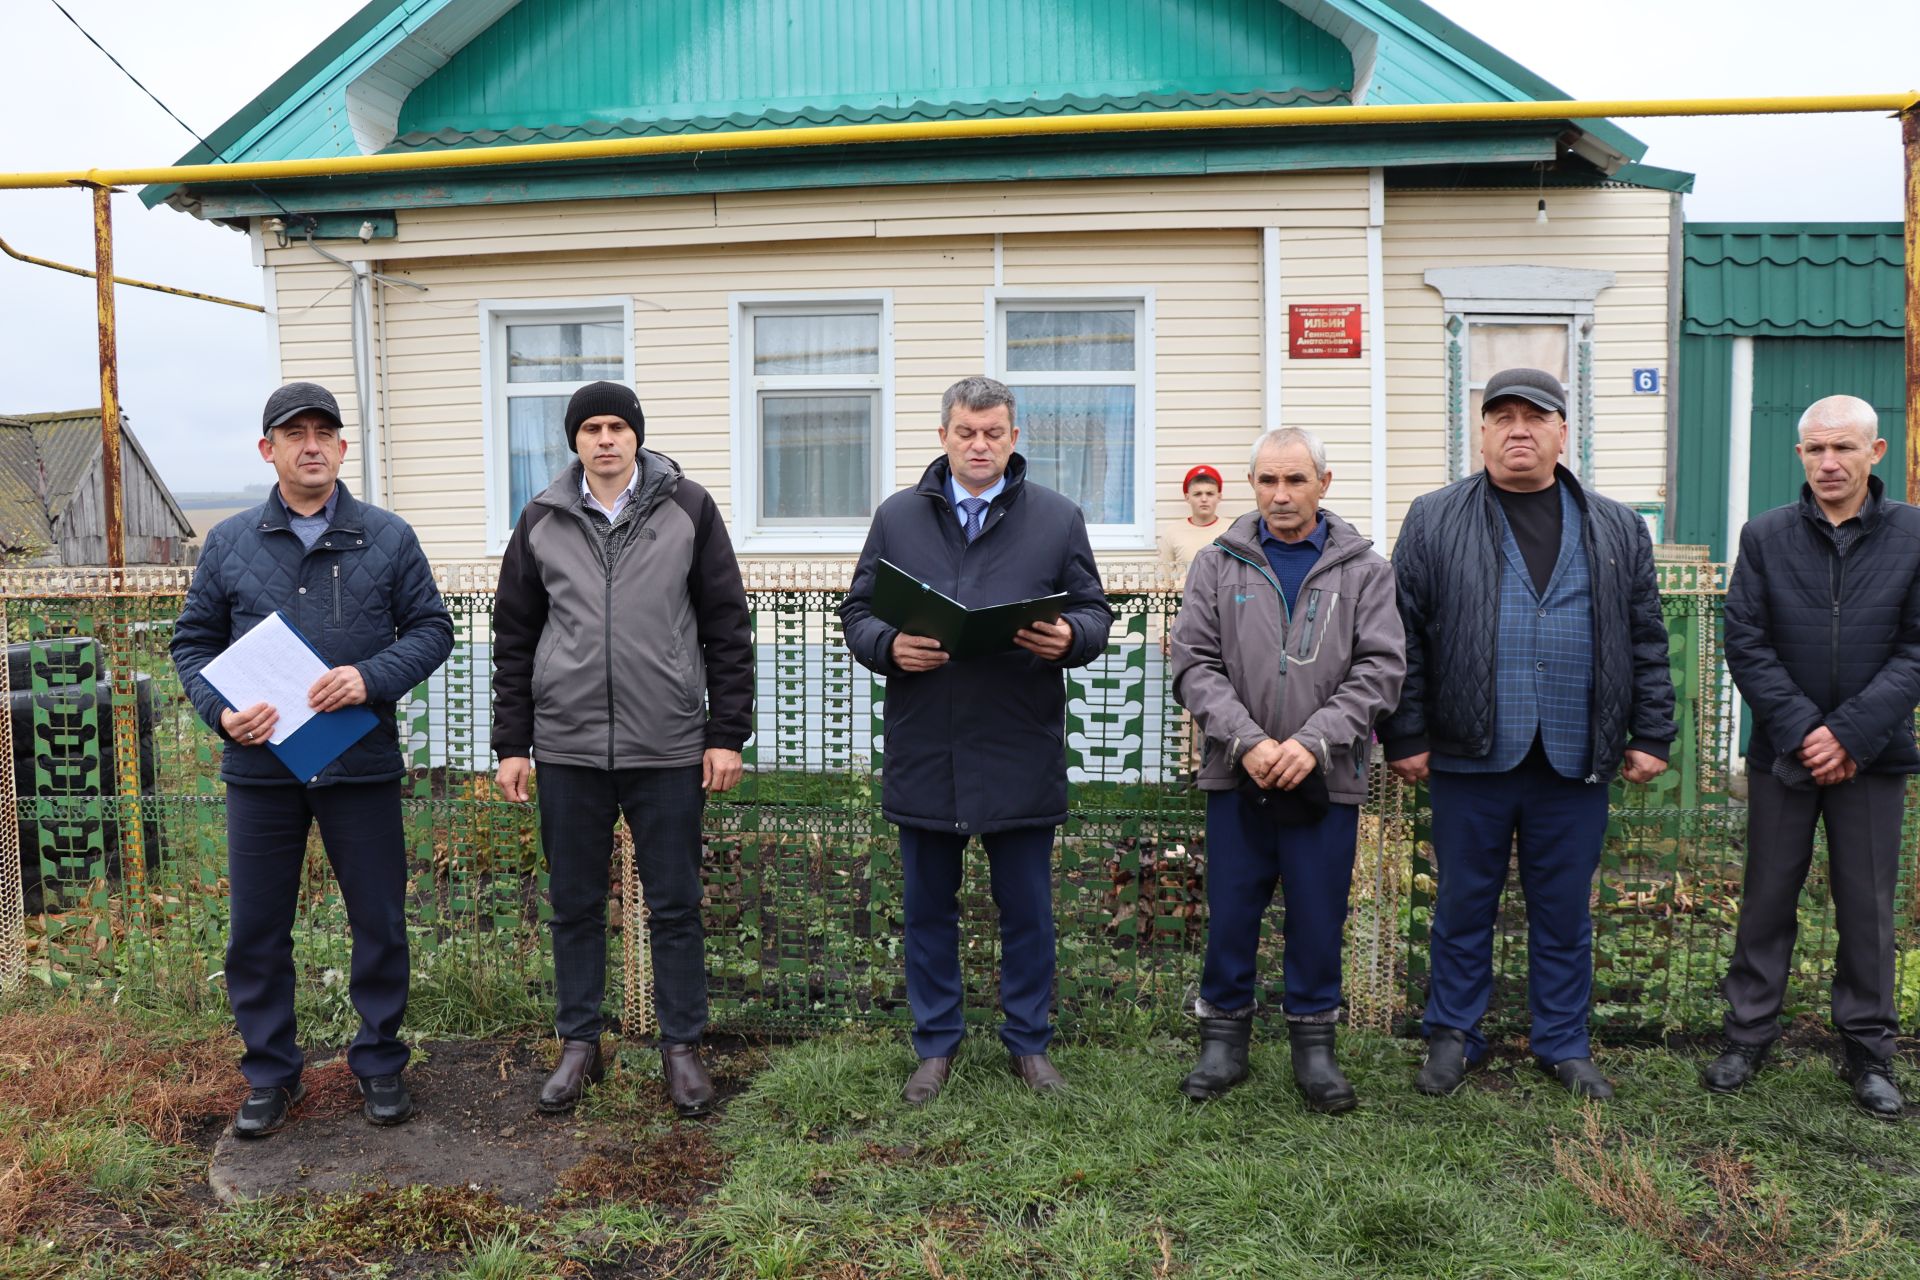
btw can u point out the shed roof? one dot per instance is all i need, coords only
(1786, 279)
(44, 458)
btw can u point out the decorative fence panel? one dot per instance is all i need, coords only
(118, 813)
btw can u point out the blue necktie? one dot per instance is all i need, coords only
(976, 510)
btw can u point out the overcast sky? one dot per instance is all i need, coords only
(192, 376)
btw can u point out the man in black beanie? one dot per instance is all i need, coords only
(623, 661)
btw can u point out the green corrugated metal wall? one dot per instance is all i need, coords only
(1823, 303)
(550, 62)
(1705, 387)
(1791, 373)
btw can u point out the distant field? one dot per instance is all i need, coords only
(204, 518)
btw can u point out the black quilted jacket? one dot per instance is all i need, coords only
(1447, 562)
(1819, 638)
(362, 595)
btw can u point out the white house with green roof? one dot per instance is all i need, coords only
(790, 316)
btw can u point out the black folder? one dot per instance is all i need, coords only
(902, 600)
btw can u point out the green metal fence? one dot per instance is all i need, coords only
(121, 824)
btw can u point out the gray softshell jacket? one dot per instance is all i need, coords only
(642, 661)
(1248, 668)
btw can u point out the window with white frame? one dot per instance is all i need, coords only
(1517, 316)
(1495, 343)
(537, 355)
(1081, 371)
(813, 455)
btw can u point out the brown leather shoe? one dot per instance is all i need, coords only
(1036, 1071)
(688, 1083)
(926, 1082)
(580, 1065)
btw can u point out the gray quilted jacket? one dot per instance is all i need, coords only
(363, 595)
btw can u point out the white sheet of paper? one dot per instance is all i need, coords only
(269, 664)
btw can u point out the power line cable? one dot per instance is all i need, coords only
(217, 158)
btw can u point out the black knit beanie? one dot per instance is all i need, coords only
(597, 398)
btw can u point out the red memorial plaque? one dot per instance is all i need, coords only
(1324, 332)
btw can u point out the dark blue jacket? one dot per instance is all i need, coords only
(363, 595)
(1447, 563)
(1819, 638)
(978, 745)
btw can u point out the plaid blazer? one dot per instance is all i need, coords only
(1543, 668)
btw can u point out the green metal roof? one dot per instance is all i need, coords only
(1843, 279)
(760, 63)
(417, 74)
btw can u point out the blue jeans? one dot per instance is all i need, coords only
(1021, 863)
(1561, 824)
(578, 807)
(1313, 865)
(266, 845)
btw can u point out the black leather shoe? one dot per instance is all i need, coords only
(1446, 1065)
(1733, 1070)
(580, 1065)
(926, 1082)
(688, 1084)
(1315, 1070)
(387, 1100)
(1223, 1058)
(266, 1110)
(1581, 1077)
(1873, 1088)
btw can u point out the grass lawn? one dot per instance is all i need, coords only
(816, 1170)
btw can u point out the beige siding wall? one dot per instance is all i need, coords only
(1196, 243)
(1619, 230)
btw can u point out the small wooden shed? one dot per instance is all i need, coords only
(51, 510)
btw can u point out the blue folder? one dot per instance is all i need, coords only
(319, 742)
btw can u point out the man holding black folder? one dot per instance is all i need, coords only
(352, 580)
(977, 745)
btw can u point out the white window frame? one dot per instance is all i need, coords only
(1138, 535)
(744, 388)
(495, 315)
(1576, 425)
(1526, 294)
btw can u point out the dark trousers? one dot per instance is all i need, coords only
(266, 846)
(1313, 865)
(1021, 865)
(1560, 824)
(578, 807)
(1863, 862)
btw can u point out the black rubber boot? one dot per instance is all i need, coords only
(1223, 1058)
(1446, 1064)
(1315, 1071)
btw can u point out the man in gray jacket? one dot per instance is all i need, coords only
(623, 661)
(1287, 649)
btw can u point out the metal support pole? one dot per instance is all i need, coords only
(1910, 136)
(110, 498)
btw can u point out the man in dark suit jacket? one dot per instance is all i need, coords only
(1536, 670)
(978, 746)
(1823, 638)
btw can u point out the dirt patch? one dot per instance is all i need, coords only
(476, 1128)
(673, 1171)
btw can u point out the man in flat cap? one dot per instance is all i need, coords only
(1536, 671)
(623, 664)
(352, 580)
